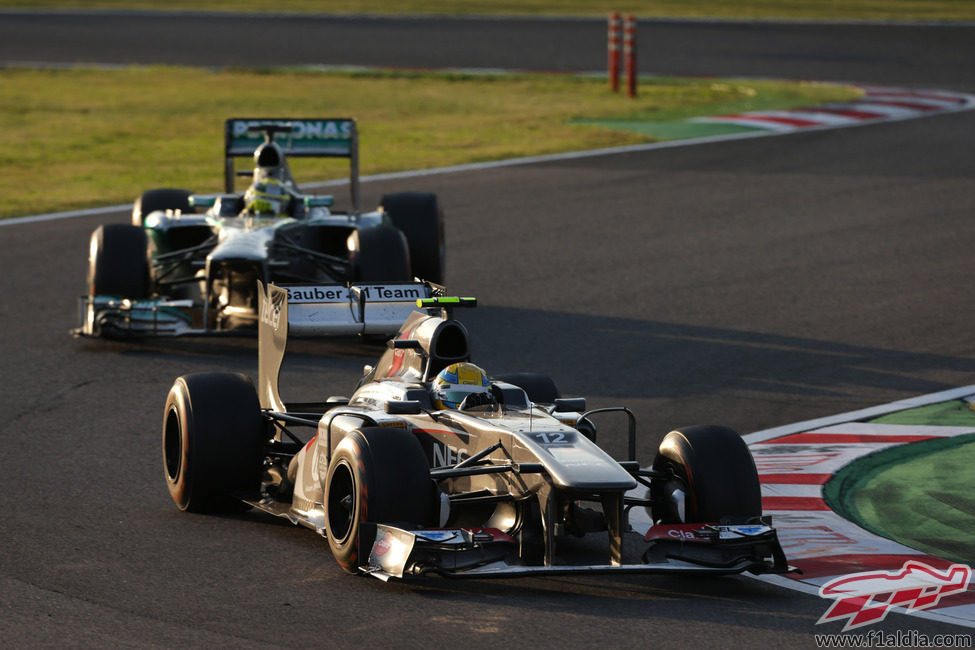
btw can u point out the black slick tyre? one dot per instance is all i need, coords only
(160, 199)
(118, 262)
(418, 215)
(380, 254)
(376, 475)
(213, 437)
(714, 469)
(540, 388)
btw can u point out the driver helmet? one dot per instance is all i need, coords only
(457, 381)
(267, 197)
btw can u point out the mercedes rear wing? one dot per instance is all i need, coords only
(367, 309)
(317, 137)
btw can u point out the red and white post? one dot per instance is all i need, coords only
(629, 53)
(613, 51)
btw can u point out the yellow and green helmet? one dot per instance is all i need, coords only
(267, 198)
(457, 381)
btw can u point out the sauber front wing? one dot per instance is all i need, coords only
(488, 553)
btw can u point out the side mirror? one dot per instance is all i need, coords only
(324, 201)
(202, 200)
(569, 404)
(403, 407)
(403, 344)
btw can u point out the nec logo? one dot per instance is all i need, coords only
(865, 598)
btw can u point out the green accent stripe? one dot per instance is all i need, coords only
(445, 301)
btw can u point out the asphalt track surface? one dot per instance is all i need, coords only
(752, 283)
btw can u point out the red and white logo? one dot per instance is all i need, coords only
(382, 546)
(865, 598)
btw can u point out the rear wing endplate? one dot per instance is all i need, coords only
(319, 137)
(366, 309)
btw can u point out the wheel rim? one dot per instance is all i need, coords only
(173, 445)
(341, 502)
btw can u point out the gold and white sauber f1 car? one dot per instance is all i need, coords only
(509, 484)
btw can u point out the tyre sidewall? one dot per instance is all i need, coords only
(717, 471)
(178, 474)
(220, 430)
(348, 461)
(390, 483)
(118, 262)
(380, 254)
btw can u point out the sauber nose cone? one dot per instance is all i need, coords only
(582, 465)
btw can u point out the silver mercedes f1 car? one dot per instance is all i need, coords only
(189, 263)
(510, 484)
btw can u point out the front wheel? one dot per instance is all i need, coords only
(714, 478)
(118, 262)
(380, 254)
(376, 475)
(213, 441)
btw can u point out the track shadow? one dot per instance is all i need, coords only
(610, 357)
(239, 352)
(621, 357)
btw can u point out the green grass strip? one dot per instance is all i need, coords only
(77, 138)
(751, 9)
(918, 494)
(956, 413)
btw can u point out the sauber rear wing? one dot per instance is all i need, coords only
(368, 309)
(317, 137)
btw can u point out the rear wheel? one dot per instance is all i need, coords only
(213, 441)
(380, 254)
(118, 262)
(714, 478)
(380, 476)
(160, 199)
(419, 216)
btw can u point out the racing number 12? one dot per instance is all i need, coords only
(550, 438)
